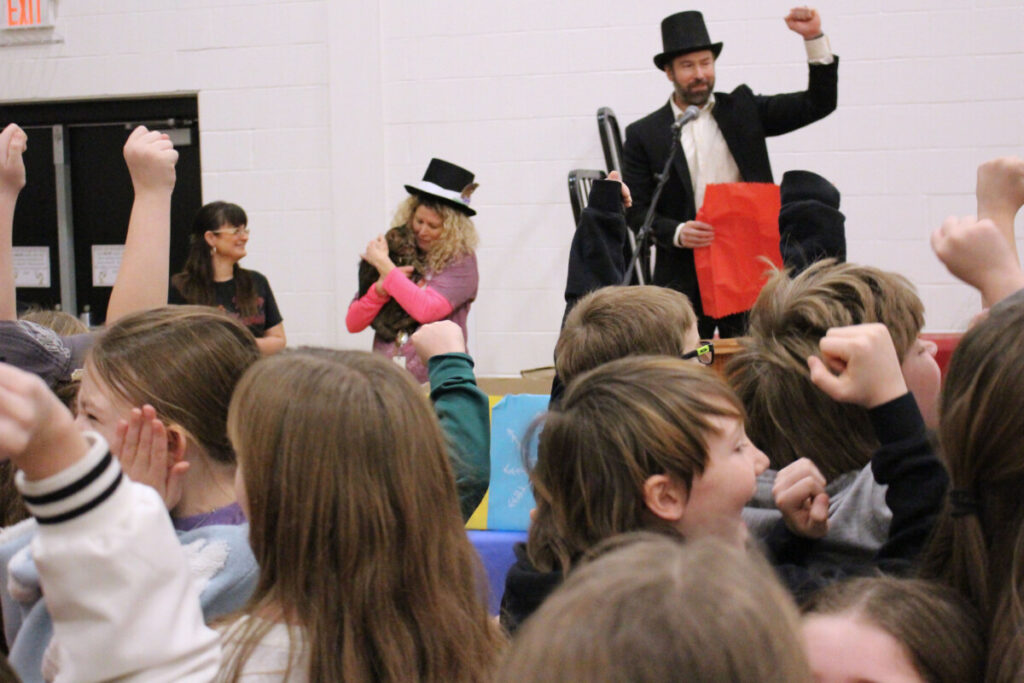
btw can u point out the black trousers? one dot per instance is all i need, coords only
(734, 325)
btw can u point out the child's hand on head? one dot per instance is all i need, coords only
(151, 157)
(434, 339)
(140, 444)
(858, 365)
(976, 252)
(37, 433)
(13, 143)
(799, 493)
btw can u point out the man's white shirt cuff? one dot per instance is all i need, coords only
(819, 51)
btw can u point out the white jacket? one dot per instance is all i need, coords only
(115, 576)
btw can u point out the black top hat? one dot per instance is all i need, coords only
(681, 33)
(447, 183)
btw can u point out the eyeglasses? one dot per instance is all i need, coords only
(704, 353)
(236, 231)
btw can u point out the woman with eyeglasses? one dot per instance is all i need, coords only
(212, 276)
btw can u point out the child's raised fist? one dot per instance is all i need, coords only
(13, 143)
(975, 251)
(37, 433)
(151, 157)
(1000, 189)
(436, 338)
(858, 365)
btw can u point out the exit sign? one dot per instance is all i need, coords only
(20, 14)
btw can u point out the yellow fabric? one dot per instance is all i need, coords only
(478, 520)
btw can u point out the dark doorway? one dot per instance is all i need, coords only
(79, 193)
(35, 218)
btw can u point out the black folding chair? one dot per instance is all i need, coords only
(611, 138)
(580, 180)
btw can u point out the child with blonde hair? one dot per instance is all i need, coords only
(653, 609)
(172, 369)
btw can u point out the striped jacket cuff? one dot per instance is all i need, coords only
(76, 490)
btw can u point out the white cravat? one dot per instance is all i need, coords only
(707, 155)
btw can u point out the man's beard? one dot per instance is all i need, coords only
(698, 97)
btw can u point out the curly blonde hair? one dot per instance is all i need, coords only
(458, 234)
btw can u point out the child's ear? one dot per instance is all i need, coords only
(665, 497)
(177, 443)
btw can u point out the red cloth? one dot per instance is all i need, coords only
(733, 269)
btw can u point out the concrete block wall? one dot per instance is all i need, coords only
(313, 115)
(261, 70)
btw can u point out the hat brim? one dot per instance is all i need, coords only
(662, 60)
(450, 198)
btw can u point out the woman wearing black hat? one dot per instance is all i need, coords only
(212, 276)
(438, 215)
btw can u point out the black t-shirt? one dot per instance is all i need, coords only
(267, 313)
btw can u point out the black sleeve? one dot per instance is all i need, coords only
(639, 173)
(597, 255)
(786, 112)
(917, 482)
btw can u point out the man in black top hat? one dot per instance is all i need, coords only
(725, 143)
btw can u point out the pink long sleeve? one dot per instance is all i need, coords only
(424, 304)
(363, 310)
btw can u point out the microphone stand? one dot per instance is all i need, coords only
(645, 230)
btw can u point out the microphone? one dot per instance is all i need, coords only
(692, 112)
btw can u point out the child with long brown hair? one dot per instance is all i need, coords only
(365, 569)
(979, 536)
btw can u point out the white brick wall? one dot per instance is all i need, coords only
(927, 90)
(315, 113)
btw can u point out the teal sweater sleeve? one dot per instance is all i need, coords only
(464, 413)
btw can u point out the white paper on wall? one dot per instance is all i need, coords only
(31, 266)
(106, 261)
